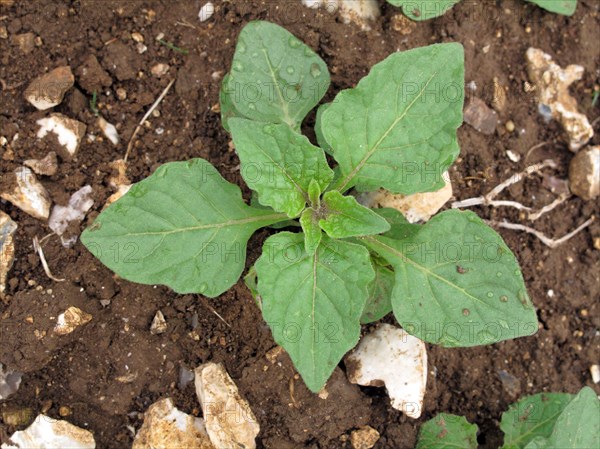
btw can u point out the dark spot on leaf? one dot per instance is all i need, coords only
(442, 434)
(416, 12)
(461, 270)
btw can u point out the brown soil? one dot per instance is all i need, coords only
(85, 370)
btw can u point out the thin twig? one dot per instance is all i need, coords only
(488, 199)
(558, 201)
(519, 176)
(38, 249)
(552, 243)
(139, 126)
(185, 23)
(208, 306)
(533, 148)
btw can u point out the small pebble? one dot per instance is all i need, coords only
(137, 37)
(160, 70)
(121, 94)
(141, 48)
(510, 126)
(3, 33)
(206, 12)
(595, 371)
(515, 157)
(64, 411)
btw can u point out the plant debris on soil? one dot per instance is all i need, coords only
(108, 371)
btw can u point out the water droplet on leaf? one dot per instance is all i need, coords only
(490, 294)
(315, 70)
(290, 70)
(294, 42)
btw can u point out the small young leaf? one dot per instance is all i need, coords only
(457, 283)
(319, 130)
(447, 431)
(314, 194)
(564, 7)
(347, 218)
(184, 226)
(312, 231)
(424, 9)
(275, 78)
(533, 416)
(313, 303)
(279, 164)
(379, 303)
(578, 426)
(397, 128)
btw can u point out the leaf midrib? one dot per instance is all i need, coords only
(533, 428)
(422, 268)
(364, 160)
(284, 105)
(237, 222)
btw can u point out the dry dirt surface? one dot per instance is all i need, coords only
(109, 371)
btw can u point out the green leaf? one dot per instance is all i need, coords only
(564, 7)
(347, 218)
(228, 109)
(275, 78)
(251, 282)
(312, 231)
(279, 164)
(531, 417)
(457, 283)
(318, 128)
(424, 9)
(313, 303)
(184, 226)
(447, 431)
(397, 128)
(379, 303)
(314, 194)
(578, 426)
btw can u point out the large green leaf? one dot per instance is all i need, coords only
(457, 283)
(447, 431)
(313, 303)
(184, 226)
(345, 217)
(275, 78)
(578, 426)
(424, 9)
(565, 7)
(279, 164)
(531, 417)
(397, 128)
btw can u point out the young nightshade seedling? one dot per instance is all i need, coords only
(430, 9)
(451, 281)
(541, 421)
